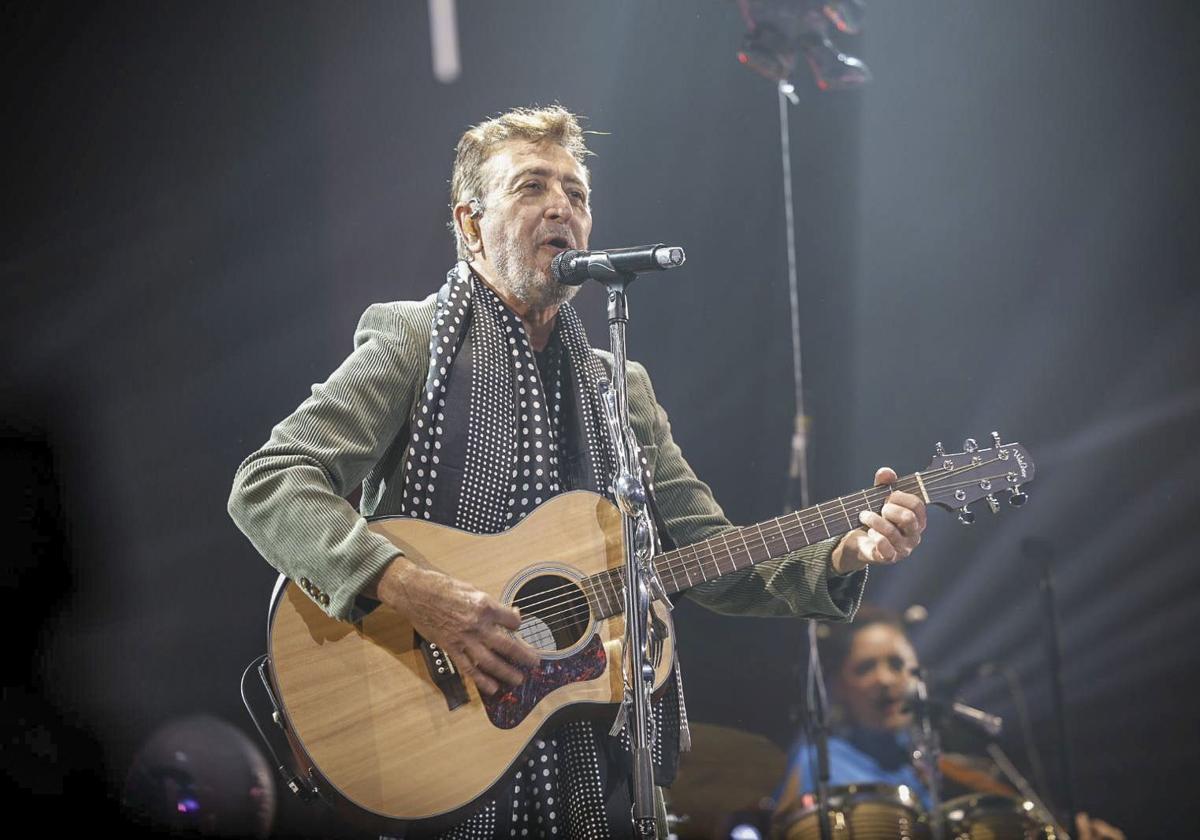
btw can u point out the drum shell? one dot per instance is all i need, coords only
(991, 817)
(858, 812)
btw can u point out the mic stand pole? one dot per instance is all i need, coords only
(928, 751)
(1042, 552)
(640, 577)
(815, 709)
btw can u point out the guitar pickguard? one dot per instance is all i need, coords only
(507, 709)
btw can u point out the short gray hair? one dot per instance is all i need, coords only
(552, 123)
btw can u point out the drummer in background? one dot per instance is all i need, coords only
(870, 664)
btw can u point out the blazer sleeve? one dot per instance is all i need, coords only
(800, 584)
(289, 496)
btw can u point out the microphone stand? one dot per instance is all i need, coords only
(1042, 552)
(642, 584)
(928, 751)
(815, 710)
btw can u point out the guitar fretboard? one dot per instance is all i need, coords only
(740, 548)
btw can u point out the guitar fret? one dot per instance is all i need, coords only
(849, 522)
(589, 594)
(712, 545)
(728, 558)
(816, 528)
(797, 519)
(733, 563)
(596, 584)
(687, 564)
(766, 546)
(737, 552)
(613, 591)
(783, 534)
(724, 535)
(674, 581)
(686, 572)
(822, 518)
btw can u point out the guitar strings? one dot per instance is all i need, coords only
(685, 555)
(579, 613)
(612, 589)
(815, 518)
(937, 482)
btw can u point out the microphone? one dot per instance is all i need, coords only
(920, 701)
(571, 268)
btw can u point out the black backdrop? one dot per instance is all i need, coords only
(1000, 232)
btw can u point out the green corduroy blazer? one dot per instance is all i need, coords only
(289, 497)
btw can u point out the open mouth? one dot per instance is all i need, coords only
(559, 243)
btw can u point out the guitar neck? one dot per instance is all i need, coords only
(740, 548)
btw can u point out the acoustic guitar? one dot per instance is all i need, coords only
(382, 720)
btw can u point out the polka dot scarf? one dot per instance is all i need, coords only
(493, 437)
(499, 455)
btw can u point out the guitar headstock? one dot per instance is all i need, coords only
(956, 479)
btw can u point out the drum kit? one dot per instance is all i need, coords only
(886, 812)
(724, 779)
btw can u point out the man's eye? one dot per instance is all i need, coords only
(531, 186)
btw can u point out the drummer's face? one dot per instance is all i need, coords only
(872, 682)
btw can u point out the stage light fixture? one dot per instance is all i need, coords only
(778, 31)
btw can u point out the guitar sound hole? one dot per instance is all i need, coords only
(554, 612)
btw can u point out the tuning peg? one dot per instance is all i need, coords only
(939, 449)
(966, 516)
(969, 445)
(993, 502)
(996, 439)
(1017, 498)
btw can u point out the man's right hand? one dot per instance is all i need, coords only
(470, 625)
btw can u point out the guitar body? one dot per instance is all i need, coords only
(384, 722)
(362, 705)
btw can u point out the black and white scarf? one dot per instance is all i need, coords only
(492, 437)
(499, 455)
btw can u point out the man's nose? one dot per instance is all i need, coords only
(558, 204)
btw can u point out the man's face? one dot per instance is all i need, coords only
(536, 206)
(875, 677)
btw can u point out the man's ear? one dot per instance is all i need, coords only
(466, 219)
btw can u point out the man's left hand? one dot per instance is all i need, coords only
(891, 534)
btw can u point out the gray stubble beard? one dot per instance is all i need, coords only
(527, 282)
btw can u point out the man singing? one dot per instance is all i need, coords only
(471, 408)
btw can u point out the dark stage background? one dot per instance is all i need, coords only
(1001, 232)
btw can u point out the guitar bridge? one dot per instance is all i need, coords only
(443, 673)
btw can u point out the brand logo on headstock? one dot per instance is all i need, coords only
(1021, 463)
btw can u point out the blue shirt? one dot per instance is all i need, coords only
(859, 756)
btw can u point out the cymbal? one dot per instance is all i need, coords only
(727, 770)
